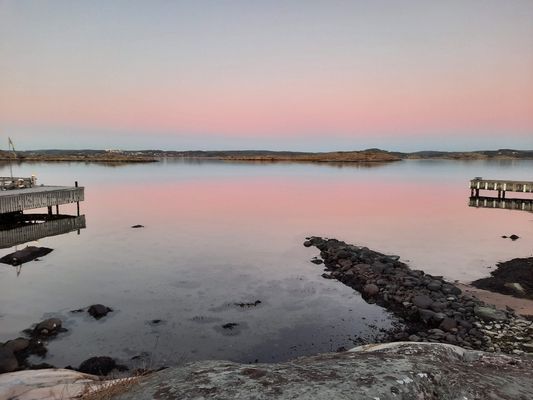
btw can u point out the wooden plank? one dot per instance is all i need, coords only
(38, 197)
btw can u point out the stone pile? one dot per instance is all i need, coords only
(432, 309)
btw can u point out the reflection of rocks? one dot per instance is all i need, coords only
(432, 309)
(25, 255)
(98, 311)
(390, 371)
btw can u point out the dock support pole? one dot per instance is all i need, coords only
(57, 209)
(477, 192)
(49, 210)
(499, 194)
(77, 203)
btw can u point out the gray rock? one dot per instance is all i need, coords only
(448, 324)
(370, 290)
(422, 301)
(385, 372)
(434, 285)
(489, 314)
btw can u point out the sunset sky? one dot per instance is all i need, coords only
(295, 75)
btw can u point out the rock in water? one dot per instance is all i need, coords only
(98, 311)
(8, 361)
(137, 226)
(23, 256)
(48, 327)
(99, 366)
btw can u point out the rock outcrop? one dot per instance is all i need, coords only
(389, 371)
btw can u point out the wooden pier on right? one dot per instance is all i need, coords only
(502, 187)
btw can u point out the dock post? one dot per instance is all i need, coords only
(77, 203)
(499, 194)
(49, 210)
(477, 192)
(57, 209)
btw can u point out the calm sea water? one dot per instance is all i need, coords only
(220, 233)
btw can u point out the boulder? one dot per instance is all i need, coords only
(370, 290)
(489, 314)
(422, 301)
(99, 366)
(390, 371)
(8, 361)
(98, 311)
(48, 327)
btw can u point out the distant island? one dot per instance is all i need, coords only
(362, 156)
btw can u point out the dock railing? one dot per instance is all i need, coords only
(9, 183)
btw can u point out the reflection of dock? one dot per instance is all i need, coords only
(27, 198)
(29, 231)
(501, 186)
(508, 204)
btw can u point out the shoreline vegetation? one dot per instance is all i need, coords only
(370, 156)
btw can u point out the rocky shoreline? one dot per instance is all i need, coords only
(431, 309)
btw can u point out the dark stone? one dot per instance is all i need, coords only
(16, 345)
(513, 237)
(137, 226)
(426, 315)
(8, 361)
(49, 327)
(98, 311)
(434, 285)
(422, 301)
(317, 261)
(308, 243)
(448, 324)
(438, 306)
(99, 366)
(27, 254)
(230, 325)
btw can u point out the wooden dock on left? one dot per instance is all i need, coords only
(14, 201)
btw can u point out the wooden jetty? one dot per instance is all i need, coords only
(502, 186)
(27, 196)
(33, 231)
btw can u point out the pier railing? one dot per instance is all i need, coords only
(501, 186)
(8, 183)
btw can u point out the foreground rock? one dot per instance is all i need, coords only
(432, 309)
(98, 311)
(391, 371)
(55, 384)
(514, 277)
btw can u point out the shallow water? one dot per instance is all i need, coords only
(220, 233)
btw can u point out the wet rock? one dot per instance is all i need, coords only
(514, 237)
(25, 255)
(17, 345)
(317, 261)
(308, 243)
(100, 366)
(230, 325)
(513, 277)
(434, 285)
(98, 311)
(137, 226)
(8, 361)
(48, 327)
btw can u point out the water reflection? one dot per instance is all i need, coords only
(507, 204)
